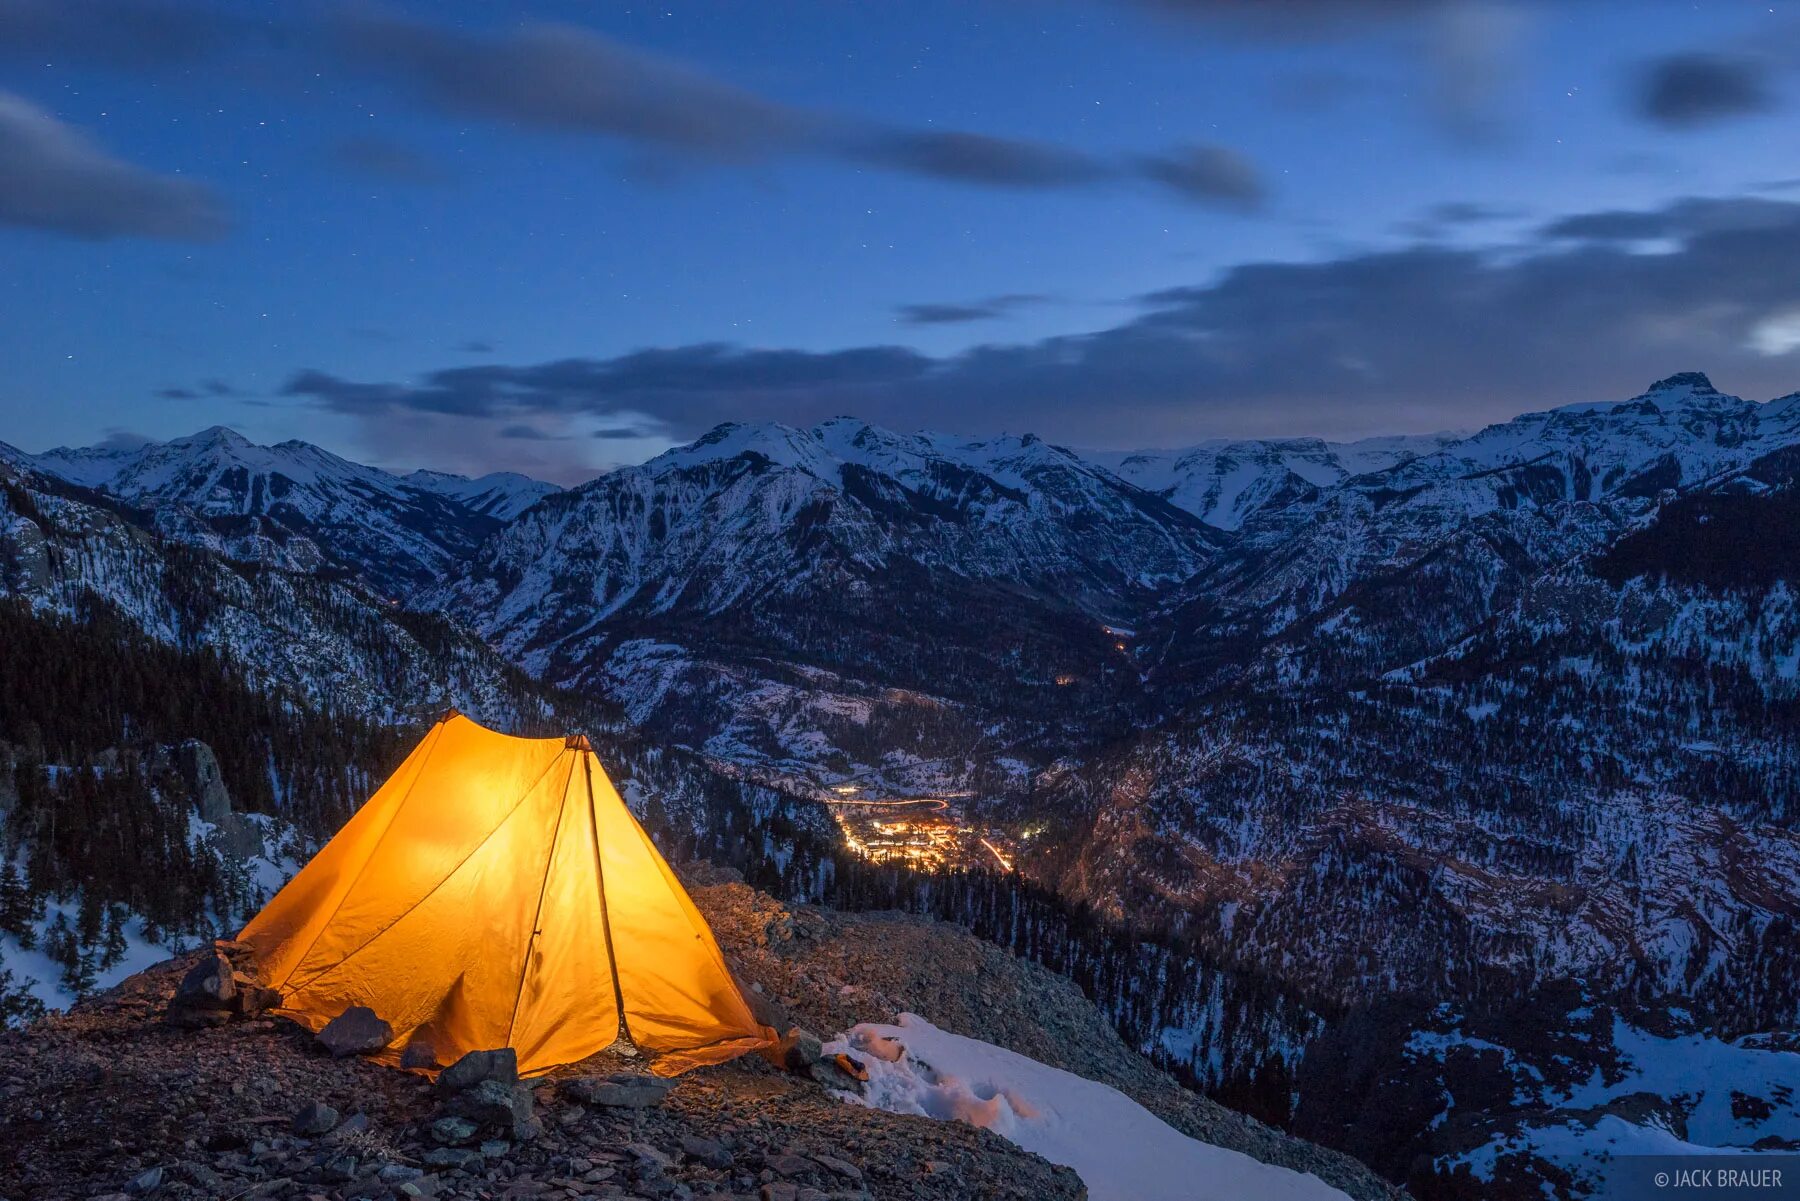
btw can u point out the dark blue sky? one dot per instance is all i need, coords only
(563, 237)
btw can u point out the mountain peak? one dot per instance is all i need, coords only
(214, 435)
(1693, 381)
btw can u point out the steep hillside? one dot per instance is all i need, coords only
(300, 633)
(298, 507)
(743, 588)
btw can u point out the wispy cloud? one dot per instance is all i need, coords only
(962, 312)
(573, 80)
(53, 177)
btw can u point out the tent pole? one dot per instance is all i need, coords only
(587, 772)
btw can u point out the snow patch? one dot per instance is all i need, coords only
(1122, 1151)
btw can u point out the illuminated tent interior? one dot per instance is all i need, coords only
(497, 892)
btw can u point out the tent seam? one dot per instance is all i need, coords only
(612, 958)
(537, 914)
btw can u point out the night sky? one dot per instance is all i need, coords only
(561, 236)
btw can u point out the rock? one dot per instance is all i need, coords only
(797, 1051)
(486, 1103)
(253, 998)
(397, 1173)
(498, 1106)
(501, 1065)
(841, 1167)
(452, 1131)
(339, 1170)
(419, 1054)
(779, 1190)
(198, 767)
(356, 1031)
(209, 984)
(619, 1091)
(315, 1119)
(829, 1074)
(145, 1183)
(646, 1154)
(450, 1157)
(356, 1123)
(788, 1165)
(707, 1151)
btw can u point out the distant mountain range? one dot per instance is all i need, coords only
(297, 506)
(1376, 724)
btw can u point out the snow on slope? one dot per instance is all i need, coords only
(1224, 482)
(297, 506)
(1707, 1097)
(502, 495)
(1122, 1151)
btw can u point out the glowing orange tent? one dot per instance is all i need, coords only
(496, 892)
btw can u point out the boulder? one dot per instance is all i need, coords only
(206, 996)
(356, 1031)
(499, 1106)
(618, 1091)
(500, 1065)
(315, 1119)
(209, 984)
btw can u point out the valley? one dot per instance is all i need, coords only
(1259, 743)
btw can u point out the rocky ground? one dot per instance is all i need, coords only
(831, 970)
(112, 1101)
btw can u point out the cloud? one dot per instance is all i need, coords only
(52, 177)
(118, 33)
(953, 313)
(1423, 337)
(563, 77)
(1208, 174)
(380, 158)
(525, 432)
(1470, 48)
(1301, 20)
(573, 80)
(124, 439)
(1442, 219)
(476, 346)
(978, 159)
(1685, 90)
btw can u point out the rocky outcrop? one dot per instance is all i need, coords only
(831, 970)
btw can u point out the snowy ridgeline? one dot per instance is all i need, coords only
(1121, 1150)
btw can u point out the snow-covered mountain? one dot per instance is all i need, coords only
(502, 495)
(1225, 482)
(297, 506)
(300, 634)
(841, 568)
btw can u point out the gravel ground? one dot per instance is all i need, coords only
(110, 1101)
